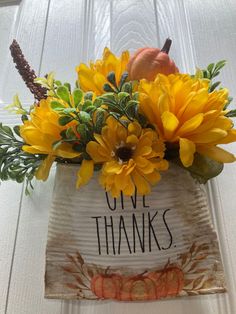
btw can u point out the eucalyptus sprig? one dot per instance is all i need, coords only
(15, 164)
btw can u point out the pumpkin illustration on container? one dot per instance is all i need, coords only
(143, 287)
(138, 287)
(146, 63)
(169, 281)
(106, 286)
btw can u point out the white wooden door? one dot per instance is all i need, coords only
(59, 34)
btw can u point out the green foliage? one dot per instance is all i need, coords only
(16, 107)
(123, 106)
(63, 93)
(16, 164)
(211, 72)
(203, 168)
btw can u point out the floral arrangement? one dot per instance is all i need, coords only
(128, 117)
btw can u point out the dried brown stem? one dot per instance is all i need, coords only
(28, 75)
(166, 47)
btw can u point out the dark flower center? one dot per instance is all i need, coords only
(124, 153)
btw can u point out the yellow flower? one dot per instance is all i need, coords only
(186, 114)
(93, 77)
(130, 157)
(40, 132)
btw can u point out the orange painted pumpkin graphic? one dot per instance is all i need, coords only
(169, 282)
(146, 63)
(138, 288)
(150, 286)
(106, 286)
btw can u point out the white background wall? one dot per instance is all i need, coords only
(59, 34)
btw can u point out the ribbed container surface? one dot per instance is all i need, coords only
(131, 248)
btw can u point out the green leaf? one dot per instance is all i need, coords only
(220, 64)
(70, 134)
(7, 130)
(82, 130)
(69, 110)
(86, 104)
(78, 147)
(100, 115)
(16, 129)
(111, 77)
(107, 88)
(63, 93)
(231, 114)
(56, 105)
(24, 118)
(77, 96)
(84, 116)
(97, 102)
(124, 77)
(90, 109)
(127, 87)
(204, 168)
(123, 95)
(210, 67)
(65, 119)
(228, 102)
(58, 83)
(88, 96)
(68, 86)
(214, 86)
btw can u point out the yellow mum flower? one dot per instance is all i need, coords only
(187, 115)
(130, 157)
(40, 132)
(93, 77)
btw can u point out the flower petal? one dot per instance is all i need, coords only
(191, 124)
(85, 172)
(170, 123)
(141, 184)
(186, 151)
(208, 137)
(216, 153)
(42, 172)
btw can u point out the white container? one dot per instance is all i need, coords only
(131, 248)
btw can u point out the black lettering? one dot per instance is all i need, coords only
(122, 226)
(122, 199)
(98, 236)
(108, 203)
(151, 230)
(168, 229)
(141, 240)
(134, 199)
(112, 234)
(144, 202)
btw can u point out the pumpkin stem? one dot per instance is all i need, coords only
(166, 47)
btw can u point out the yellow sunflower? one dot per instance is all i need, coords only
(93, 77)
(186, 114)
(40, 132)
(130, 157)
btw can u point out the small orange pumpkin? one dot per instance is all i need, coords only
(137, 288)
(106, 286)
(169, 281)
(146, 63)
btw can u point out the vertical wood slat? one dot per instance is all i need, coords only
(214, 38)
(10, 192)
(26, 296)
(29, 32)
